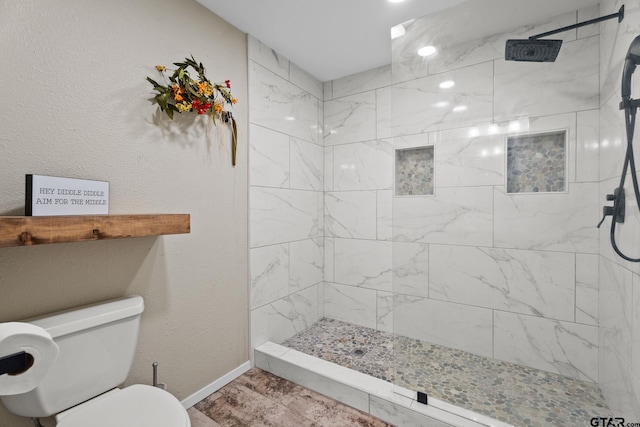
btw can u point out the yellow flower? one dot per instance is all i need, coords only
(217, 107)
(183, 106)
(204, 88)
(234, 100)
(160, 68)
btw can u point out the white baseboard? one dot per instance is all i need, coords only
(216, 385)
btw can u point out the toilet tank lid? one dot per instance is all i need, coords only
(75, 319)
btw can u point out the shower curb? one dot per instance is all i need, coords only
(388, 402)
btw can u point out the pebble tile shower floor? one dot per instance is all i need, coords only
(507, 392)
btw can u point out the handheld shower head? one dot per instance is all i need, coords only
(631, 61)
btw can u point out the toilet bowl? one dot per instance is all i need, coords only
(96, 348)
(137, 405)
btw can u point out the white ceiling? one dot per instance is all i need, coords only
(335, 38)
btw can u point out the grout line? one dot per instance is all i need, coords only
(575, 288)
(493, 334)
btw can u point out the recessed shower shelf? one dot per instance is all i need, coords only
(39, 230)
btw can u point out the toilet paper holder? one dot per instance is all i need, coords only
(16, 363)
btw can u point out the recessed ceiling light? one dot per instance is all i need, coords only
(459, 108)
(427, 51)
(397, 31)
(447, 84)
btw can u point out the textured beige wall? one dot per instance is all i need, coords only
(75, 104)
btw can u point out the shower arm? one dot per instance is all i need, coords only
(619, 15)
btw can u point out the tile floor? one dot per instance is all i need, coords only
(258, 398)
(504, 391)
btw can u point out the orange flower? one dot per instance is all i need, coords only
(234, 100)
(218, 107)
(160, 68)
(177, 93)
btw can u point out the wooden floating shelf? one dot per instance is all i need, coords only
(39, 230)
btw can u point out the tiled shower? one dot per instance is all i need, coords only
(390, 200)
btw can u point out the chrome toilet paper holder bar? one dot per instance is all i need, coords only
(14, 363)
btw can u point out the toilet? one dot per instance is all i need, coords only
(97, 344)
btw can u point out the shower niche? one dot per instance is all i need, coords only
(414, 171)
(537, 162)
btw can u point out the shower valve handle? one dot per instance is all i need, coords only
(617, 211)
(606, 211)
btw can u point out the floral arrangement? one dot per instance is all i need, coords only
(184, 93)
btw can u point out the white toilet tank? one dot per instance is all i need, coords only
(97, 345)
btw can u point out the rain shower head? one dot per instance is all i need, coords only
(532, 50)
(536, 49)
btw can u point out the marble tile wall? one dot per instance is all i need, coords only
(510, 276)
(358, 184)
(619, 281)
(286, 206)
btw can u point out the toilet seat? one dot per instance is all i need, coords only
(134, 406)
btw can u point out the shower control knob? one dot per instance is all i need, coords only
(611, 197)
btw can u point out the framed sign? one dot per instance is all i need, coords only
(53, 195)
